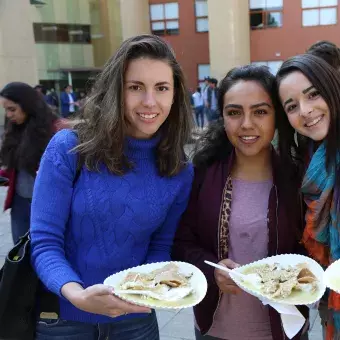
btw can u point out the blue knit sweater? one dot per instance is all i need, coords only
(106, 223)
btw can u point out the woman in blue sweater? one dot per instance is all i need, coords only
(109, 195)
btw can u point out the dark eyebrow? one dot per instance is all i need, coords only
(259, 105)
(141, 83)
(304, 92)
(135, 82)
(235, 106)
(307, 89)
(287, 102)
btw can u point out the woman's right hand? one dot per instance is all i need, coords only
(223, 279)
(99, 299)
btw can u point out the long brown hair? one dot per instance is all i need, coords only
(103, 130)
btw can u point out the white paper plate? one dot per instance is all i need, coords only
(197, 281)
(332, 276)
(296, 298)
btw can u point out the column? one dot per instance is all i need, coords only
(18, 60)
(135, 17)
(229, 35)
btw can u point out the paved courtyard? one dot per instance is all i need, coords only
(174, 325)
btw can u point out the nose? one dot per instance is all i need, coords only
(305, 109)
(9, 114)
(149, 99)
(247, 122)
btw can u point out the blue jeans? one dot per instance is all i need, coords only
(20, 216)
(140, 328)
(213, 115)
(199, 112)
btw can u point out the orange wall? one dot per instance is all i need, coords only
(191, 48)
(291, 38)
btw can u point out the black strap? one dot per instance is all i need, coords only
(48, 303)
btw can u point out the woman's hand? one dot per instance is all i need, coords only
(99, 299)
(223, 280)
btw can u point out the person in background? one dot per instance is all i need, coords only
(52, 99)
(327, 51)
(211, 100)
(244, 206)
(31, 125)
(310, 94)
(110, 193)
(198, 103)
(68, 102)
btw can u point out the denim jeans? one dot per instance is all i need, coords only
(141, 328)
(199, 112)
(20, 216)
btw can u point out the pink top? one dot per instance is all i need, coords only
(243, 316)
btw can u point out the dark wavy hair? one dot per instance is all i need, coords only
(103, 131)
(214, 145)
(23, 145)
(327, 82)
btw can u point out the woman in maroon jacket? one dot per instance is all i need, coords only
(244, 206)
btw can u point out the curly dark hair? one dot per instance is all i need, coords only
(103, 130)
(327, 51)
(214, 144)
(23, 145)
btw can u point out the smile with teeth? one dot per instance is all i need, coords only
(249, 137)
(148, 116)
(314, 122)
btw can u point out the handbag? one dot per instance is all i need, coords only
(18, 289)
(22, 295)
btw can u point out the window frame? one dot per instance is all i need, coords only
(265, 13)
(199, 81)
(164, 21)
(200, 17)
(61, 33)
(267, 62)
(319, 8)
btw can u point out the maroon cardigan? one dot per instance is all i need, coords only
(196, 239)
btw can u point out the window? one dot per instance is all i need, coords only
(164, 18)
(62, 33)
(265, 13)
(273, 65)
(203, 72)
(201, 12)
(319, 12)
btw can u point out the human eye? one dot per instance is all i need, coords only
(135, 88)
(290, 108)
(163, 88)
(233, 113)
(313, 94)
(261, 112)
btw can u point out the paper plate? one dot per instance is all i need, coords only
(197, 281)
(332, 276)
(297, 297)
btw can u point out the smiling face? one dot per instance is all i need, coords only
(307, 111)
(249, 118)
(148, 96)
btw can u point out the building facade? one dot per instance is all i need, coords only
(212, 36)
(57, 42)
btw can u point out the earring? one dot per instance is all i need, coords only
(296, 138)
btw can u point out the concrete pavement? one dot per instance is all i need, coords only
(174, 325)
